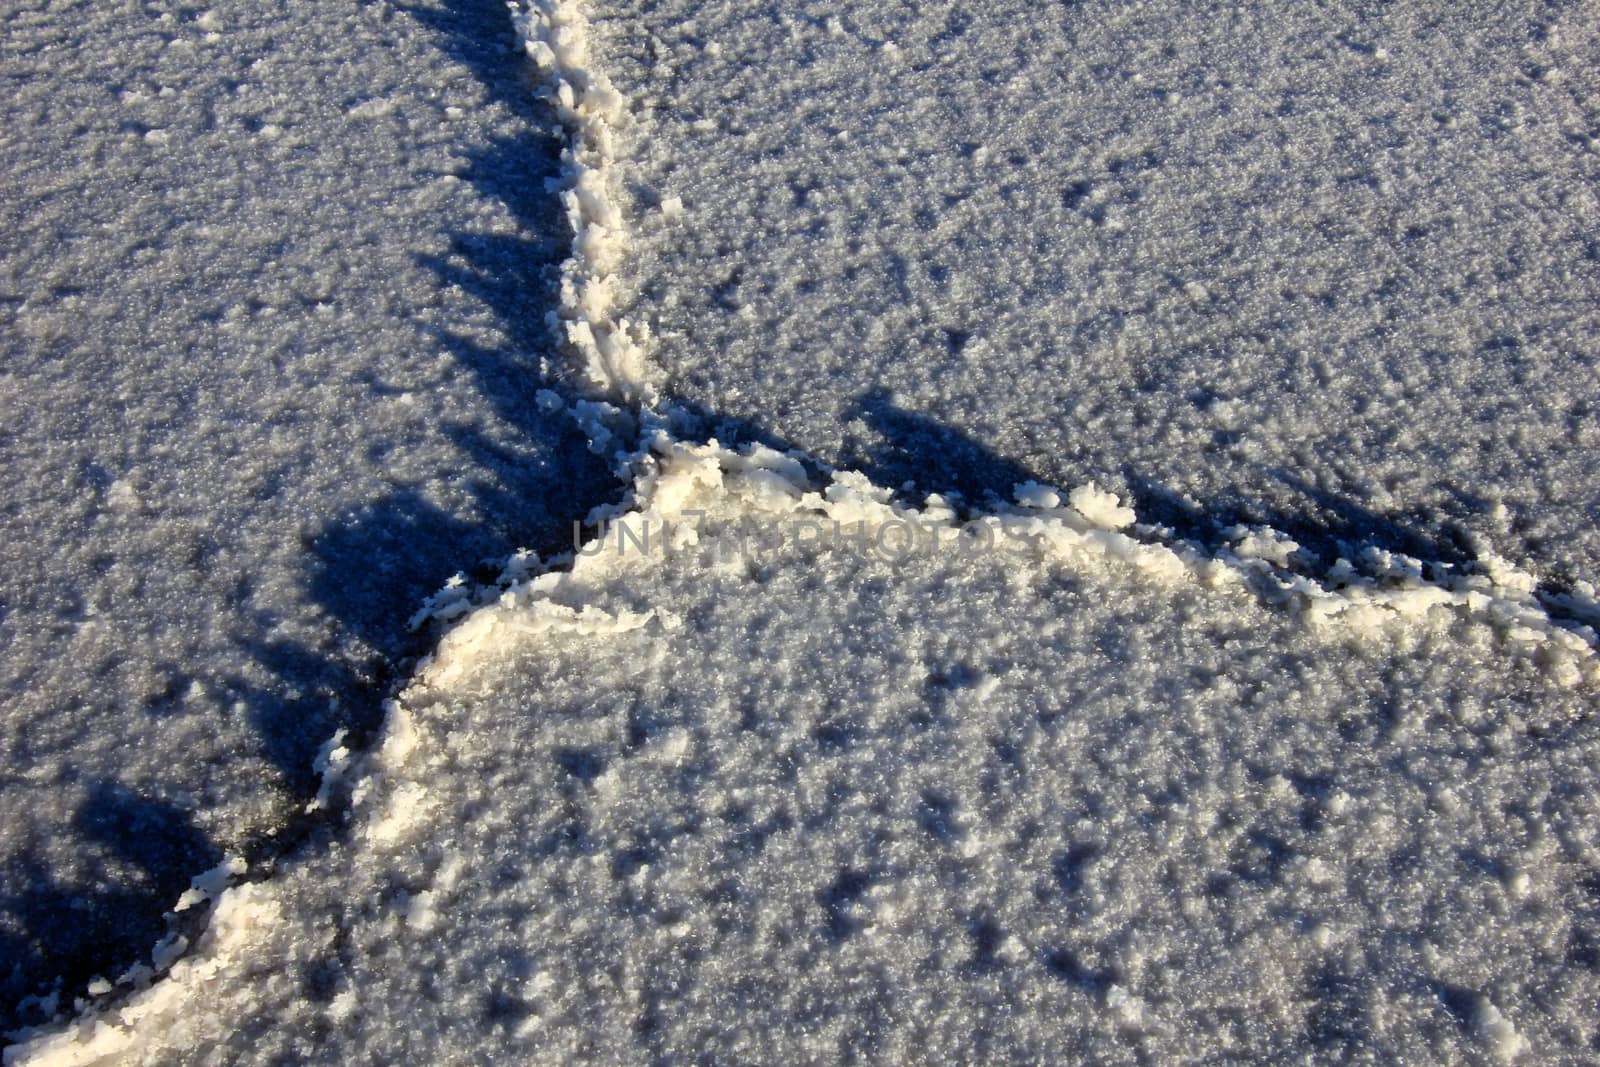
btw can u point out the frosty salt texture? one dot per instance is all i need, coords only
(1120, 797)
(957, 805)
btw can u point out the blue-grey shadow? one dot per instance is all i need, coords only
(916, 454)
(146, 851)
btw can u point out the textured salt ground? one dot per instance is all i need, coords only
(1333, 267)
(271, 303)
(805, 804)
(1417, 984)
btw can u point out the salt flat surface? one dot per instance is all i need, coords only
(271, 320)
(1113, 783)
(770, 797)
(1332, 266)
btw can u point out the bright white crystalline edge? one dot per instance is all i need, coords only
(694, 496)
(589, 107)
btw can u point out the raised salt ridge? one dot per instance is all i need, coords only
(555, 35)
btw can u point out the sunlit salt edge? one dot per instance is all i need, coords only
(677, 480)
(1090, 529)
(555, 35)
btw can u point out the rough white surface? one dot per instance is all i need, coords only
(763, 798)
(778, 768)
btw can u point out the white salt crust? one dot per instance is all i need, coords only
(524, 698)
(1359, 638)
(555, 35)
